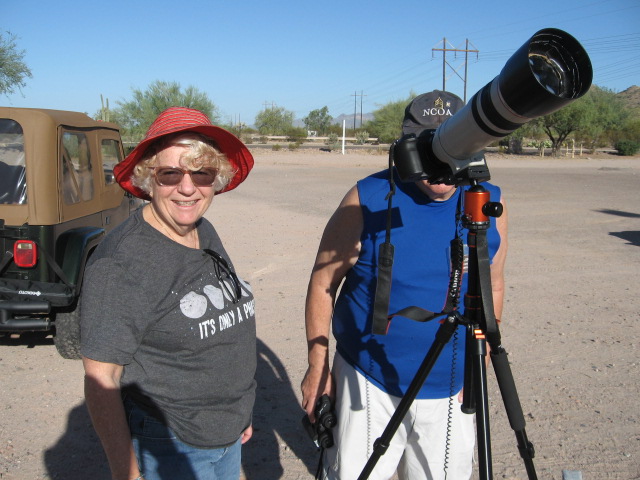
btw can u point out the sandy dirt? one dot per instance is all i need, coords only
(570, 324)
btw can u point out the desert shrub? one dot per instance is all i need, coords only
(296, 134)
(277, 147)
(362, 137)
(627, 147)
(332, 141)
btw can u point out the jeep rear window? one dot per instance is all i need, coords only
(77, 179)
(13, 182)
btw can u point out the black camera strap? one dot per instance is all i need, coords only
(381, 319)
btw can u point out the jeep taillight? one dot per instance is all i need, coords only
(25, 253)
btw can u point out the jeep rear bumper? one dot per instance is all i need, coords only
(14, 316)
(25, 305)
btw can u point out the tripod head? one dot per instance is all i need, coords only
(478, 208)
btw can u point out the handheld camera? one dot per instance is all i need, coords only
(320, 431)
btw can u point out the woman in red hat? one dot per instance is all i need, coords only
(168, 329)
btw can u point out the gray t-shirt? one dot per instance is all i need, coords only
(159, 309)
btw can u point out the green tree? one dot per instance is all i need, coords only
(630, 131)
(593, 119)
(559, 125)
(318, 120)
(607, 114)
(274, 121)
(13, 70)
(137, 114)
(598, 119)
(387, 120)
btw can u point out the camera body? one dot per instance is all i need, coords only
(414, 160)
(320, 431)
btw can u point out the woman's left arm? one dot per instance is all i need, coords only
(102, 393)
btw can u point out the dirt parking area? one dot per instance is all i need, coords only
(571, 322)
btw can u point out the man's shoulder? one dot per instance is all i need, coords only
(374, 184)
(379, 177)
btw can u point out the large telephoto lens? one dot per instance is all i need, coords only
(546, 73)
(549, 71)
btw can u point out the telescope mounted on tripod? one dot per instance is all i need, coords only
(545, 74)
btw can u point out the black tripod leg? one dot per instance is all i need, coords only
(500, 361)
(468, 400)
(479, 355)
(513, 407)
(380, 446)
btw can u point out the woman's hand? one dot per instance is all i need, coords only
(246, 435)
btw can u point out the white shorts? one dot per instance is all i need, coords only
(419, 448)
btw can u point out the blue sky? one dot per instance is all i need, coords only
(299, 55)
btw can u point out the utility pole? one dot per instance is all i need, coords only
(444, 51)
(355, 107)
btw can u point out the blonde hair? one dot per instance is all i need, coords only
(200, 152)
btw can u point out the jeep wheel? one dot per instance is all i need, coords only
(67, 337)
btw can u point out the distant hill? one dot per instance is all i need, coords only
(366, 117)
(631, 97)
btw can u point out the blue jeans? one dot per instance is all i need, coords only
(162, 455)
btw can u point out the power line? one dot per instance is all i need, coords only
(444, 51)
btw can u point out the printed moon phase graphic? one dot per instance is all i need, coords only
(215, 296)
(193, 305)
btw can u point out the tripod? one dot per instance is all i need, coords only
(482, 328)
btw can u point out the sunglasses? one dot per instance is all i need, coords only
(226, 277)
(172, 176)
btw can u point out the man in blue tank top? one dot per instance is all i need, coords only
(371, 373)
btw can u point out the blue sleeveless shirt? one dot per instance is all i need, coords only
(422, 231)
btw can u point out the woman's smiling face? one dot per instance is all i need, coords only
(182, 205)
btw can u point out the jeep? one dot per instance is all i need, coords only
(58, 198)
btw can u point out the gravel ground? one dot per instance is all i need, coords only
(570, 322)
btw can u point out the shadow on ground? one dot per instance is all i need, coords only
(277, 431)
(277, 423)
(78, 453)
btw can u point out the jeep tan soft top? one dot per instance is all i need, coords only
(41, 143)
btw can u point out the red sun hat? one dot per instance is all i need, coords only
(182, 119)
